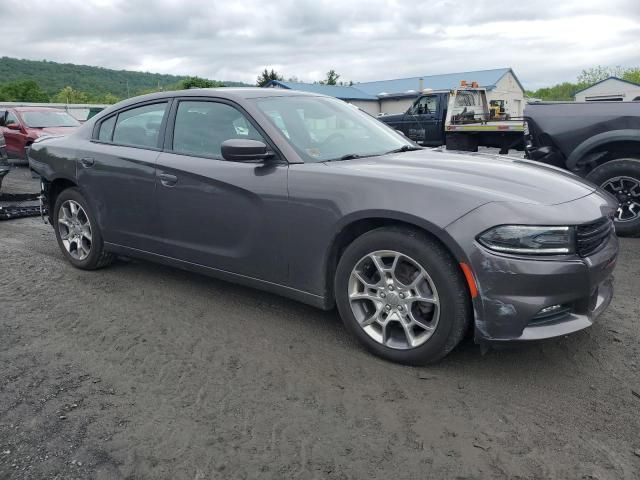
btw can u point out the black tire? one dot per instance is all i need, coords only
(623, 167)
(453, 292)
(97, 257)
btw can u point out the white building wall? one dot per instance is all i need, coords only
(508, 90)
(610, 89)
(391, 106)
(372, 107)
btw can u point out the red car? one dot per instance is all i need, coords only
(22, 125)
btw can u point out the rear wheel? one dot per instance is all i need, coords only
(402, 295)
(621, 178)
(77, 231)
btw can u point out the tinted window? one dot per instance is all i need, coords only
(201, 127)
(425, 105)
(106, 129)
(140, 126)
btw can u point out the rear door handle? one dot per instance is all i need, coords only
(87, 162)
(168, 180)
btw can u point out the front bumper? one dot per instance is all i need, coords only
(512, 290)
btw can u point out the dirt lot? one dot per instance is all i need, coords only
(140, 371)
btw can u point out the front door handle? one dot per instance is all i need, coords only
(168, 180)
(87, 162)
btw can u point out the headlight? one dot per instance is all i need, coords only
(529, 240)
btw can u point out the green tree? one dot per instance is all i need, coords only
(22, 91)
(108, 98)
(197, 82)
(632, 75)
(332, 78)
(597, 74)
(266, 76)
(561, 91)
(69, 95)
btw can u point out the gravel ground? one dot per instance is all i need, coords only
(139, 371)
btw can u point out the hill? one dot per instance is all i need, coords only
(52, 77)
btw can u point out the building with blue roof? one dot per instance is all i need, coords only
(395, 96)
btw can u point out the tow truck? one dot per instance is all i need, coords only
(461, 119)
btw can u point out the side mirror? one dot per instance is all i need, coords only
(400, 132)
(13, 126)
(243, 150)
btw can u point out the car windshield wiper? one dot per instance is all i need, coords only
(349, 156)
(404, 148)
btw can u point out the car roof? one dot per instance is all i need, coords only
(231, 93)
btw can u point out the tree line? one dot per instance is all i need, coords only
(268, 75)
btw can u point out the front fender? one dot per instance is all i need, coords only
(403, 217)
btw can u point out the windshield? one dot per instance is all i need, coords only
(53, 118)
(322, 129)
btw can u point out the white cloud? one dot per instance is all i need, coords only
(544, 41)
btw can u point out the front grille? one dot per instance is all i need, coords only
(593, 236)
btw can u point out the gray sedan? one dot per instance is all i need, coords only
(306, 196)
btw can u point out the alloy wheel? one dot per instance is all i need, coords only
(627, 192)
(75, 229)
(393, 299)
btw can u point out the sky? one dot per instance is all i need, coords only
(544, 41)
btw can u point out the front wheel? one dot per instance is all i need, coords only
(402, 295)
(621, 178)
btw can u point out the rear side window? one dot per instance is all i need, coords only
(106, 129)
(140, 127)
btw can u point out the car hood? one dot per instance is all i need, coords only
(488, 177)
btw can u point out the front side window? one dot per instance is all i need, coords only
(49, 119)
(321, 128)
(425, 105)
(140, 126)
(202, 126)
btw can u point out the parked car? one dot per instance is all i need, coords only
(22, 125)
(308, 197)
(596, 140)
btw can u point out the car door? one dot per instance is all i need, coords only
(222, 214)
(116, 170)
(422, 121)
(15, 135)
